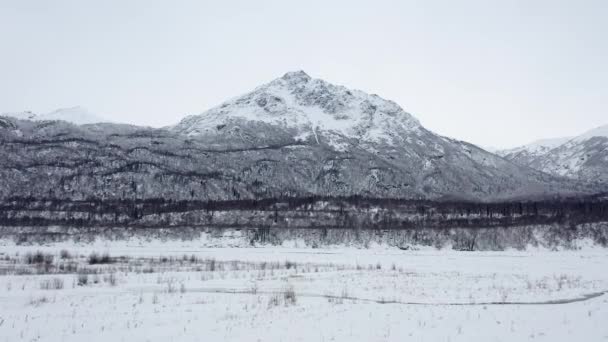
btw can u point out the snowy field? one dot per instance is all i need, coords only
(180, 292)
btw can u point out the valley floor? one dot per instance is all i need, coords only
(181, 292)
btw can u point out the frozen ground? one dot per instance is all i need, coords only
(181, 292)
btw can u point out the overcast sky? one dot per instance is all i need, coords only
(495, 73)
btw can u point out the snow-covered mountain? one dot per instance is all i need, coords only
(296, 101)
(584, 157)
(294, 136)
(524, 154)
(365, 135)
(76, 115)
(601, 132)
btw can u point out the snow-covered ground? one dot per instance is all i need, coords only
(176, 291)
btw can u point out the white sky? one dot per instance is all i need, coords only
(495, 73)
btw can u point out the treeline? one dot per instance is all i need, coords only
(354, 212)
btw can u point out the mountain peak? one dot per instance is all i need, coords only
(309, 107)
(298, 76)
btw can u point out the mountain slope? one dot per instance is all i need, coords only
(56, 159)
(584, 157)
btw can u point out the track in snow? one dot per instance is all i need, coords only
(582, 298)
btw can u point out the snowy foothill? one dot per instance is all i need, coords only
(77, 115)
(183, 291)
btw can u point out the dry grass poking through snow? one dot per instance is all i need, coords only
(100, 296)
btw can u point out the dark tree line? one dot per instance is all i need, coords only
(355, 212)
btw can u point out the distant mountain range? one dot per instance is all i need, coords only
(77, 115)
(584, 157)
(294, 136)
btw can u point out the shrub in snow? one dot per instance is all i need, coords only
(39, 301)
(274, 300)
(51, 284)
(38, 258)
(82, 279)
(95, 258)
(286, 297)
(64, 254)
(110, 279)
(289, 296)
